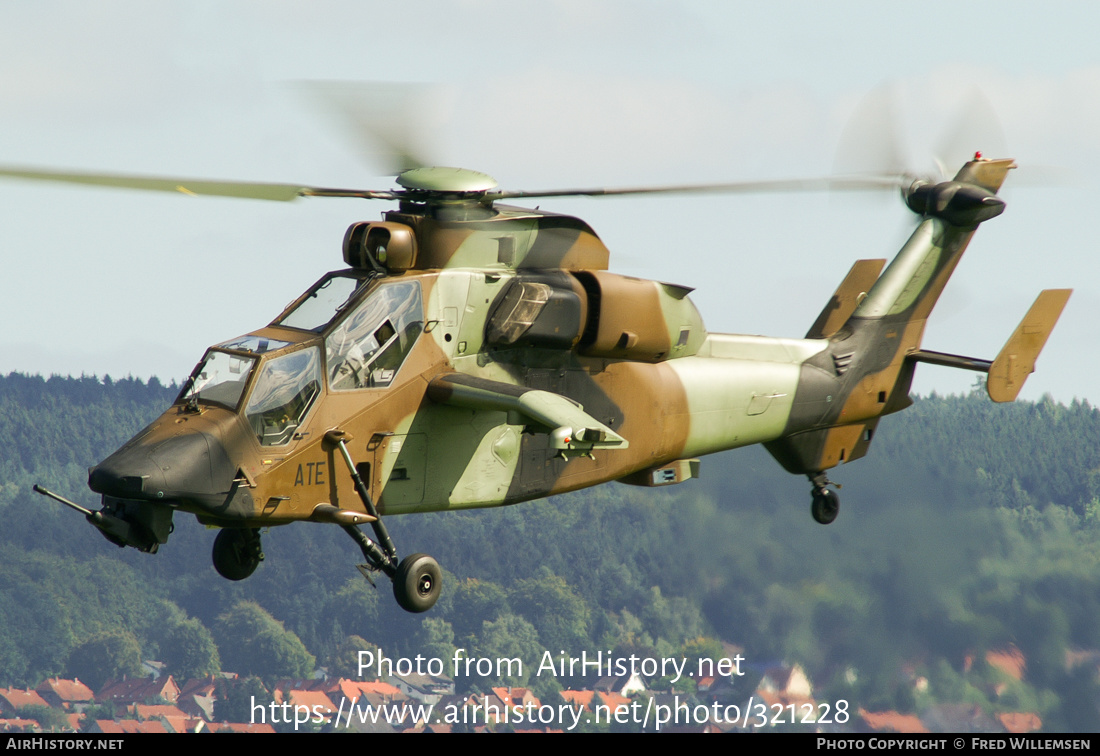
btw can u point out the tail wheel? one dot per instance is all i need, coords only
(417, 583)
(826, 505)
(237, 552)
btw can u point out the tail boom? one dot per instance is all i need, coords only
(867, 367)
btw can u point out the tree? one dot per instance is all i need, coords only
(560, 615)
(503, 641)
(110, 655)
(344, 661)
(255, 643)
(475, 602)
(437, 640)
(48, 718)
(189, 650)
(236, 703)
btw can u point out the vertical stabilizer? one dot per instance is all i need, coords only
(846, 298)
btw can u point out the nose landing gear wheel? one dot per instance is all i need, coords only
(826, 505)
(237, 552)
(417, 583)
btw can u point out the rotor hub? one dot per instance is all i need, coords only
(460, 181)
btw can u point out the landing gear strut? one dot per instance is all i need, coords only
(237, 552)
(417, 580)
(826, 502)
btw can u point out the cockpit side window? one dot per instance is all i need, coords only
(285, 390)
(367, 348)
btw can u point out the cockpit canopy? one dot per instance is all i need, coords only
(366, 348)
(367, 326)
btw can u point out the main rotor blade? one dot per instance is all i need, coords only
(873, 140)
(387, 121)
(834, 183)
(252, 190)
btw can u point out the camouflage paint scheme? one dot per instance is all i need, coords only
(536, 371)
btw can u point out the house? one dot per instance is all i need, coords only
(315, 702)
(1019, 723)
(60, 693)
(486, 708)
(581, 699)
(424, 688)
(12, 699)
(782, 687)
(125, 692)
(156, 711)
(613, 701)
(517, 697)
(626, 685)
(123, 726)
(888, 721)
(788, 682)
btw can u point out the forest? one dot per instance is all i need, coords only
(969, 527)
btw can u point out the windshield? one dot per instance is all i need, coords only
(367, 349)
(220, 378)
(285, 390)
(324, 301)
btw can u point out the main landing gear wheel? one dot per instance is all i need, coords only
(826, 505)
(417, 583)
(237, 552)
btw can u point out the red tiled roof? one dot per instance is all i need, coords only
(17, 698)
(516, 696)
(891, 721)
(381, 688)
(1020, 722)
(199, 686)
(581, 698)
(1009, 660)
(314, 700)
(151, 711)
(138, 689)
(112, 727)
(614, 700)
(71, 691)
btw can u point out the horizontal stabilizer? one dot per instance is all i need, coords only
(1017, 359)
(571, 428)
(846, 298)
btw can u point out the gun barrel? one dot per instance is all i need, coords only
(63, 500)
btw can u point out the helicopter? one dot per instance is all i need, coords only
(471, 353)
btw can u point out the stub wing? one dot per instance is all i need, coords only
(569, 426)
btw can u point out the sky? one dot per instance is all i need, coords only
(540, 95)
